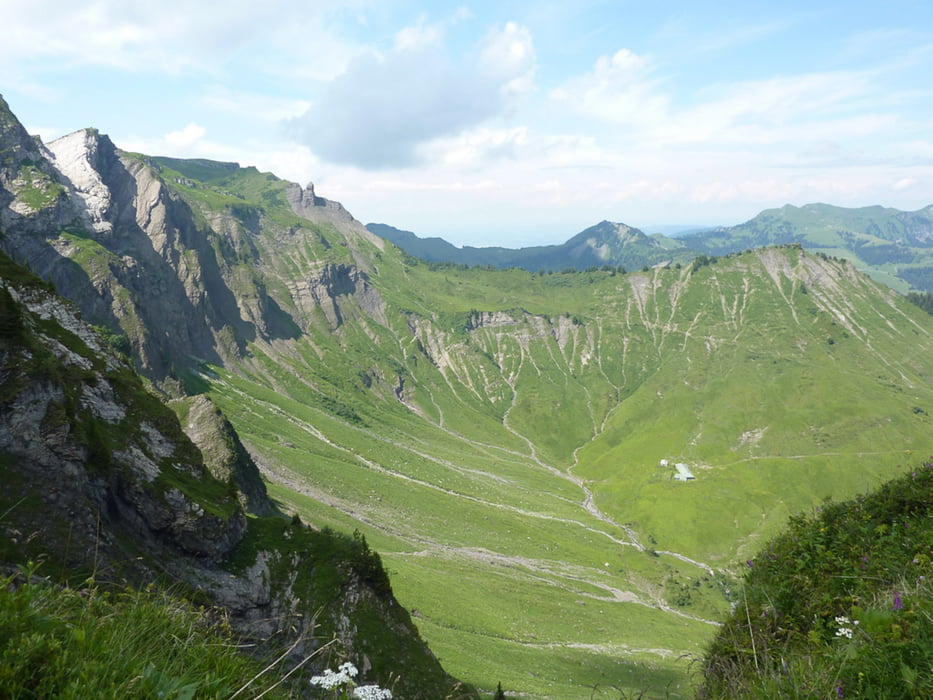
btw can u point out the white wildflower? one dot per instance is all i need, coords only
(327, 681)
(372, 692)
(348, 669)
(844, 629)
(330, 680)
(343, 677)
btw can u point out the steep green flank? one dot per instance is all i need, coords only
(771, 386)
(500, 434)
(245, 193)
(839, 605)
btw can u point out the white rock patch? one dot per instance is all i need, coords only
(71, 156)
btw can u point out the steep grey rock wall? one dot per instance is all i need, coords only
(88, 242)
(85, 427)
(108, 232)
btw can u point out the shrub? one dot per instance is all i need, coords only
(840, 605)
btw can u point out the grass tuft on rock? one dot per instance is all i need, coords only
(96, 641)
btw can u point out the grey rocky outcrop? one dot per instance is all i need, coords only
(78, 421)
(138, 259)
(224, 454)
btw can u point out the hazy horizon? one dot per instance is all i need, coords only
(503, 124)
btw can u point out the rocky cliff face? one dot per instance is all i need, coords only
(101, 453)
(110, 233)
(100, 480)
(224, 454)
(88, 241)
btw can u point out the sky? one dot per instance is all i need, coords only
(509, 122)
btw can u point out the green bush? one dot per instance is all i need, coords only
(840, 605)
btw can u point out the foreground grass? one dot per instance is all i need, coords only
(840, 605)
(97, 642)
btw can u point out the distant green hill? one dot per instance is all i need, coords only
(893, 246)
(606, 244)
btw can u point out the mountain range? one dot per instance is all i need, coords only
(507, 441)
(605, 244)
(893, 246)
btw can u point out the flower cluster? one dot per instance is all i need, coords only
(330, 680)
(343, 676)
(846, 627)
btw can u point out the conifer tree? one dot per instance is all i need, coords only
(11, 320)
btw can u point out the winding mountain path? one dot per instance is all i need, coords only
(582, 581)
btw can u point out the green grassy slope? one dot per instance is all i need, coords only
(109, 642)
(497, 436)
(839, 605)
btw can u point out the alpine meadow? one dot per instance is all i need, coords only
(564, 473)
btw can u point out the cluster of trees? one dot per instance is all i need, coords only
(922, 299)
(11, 321)
(918, 277)
(702, 261)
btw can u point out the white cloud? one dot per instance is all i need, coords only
(385, 108)
(617, 90)
(917, 152)
(256, 106)
(419, 36)
(508, 56)
(758, 107)
(175, 35)
(190, 142)
(775, 116)
(185, 137)
(476, 147)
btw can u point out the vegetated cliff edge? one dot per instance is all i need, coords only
(100, 480)
(838, 605)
